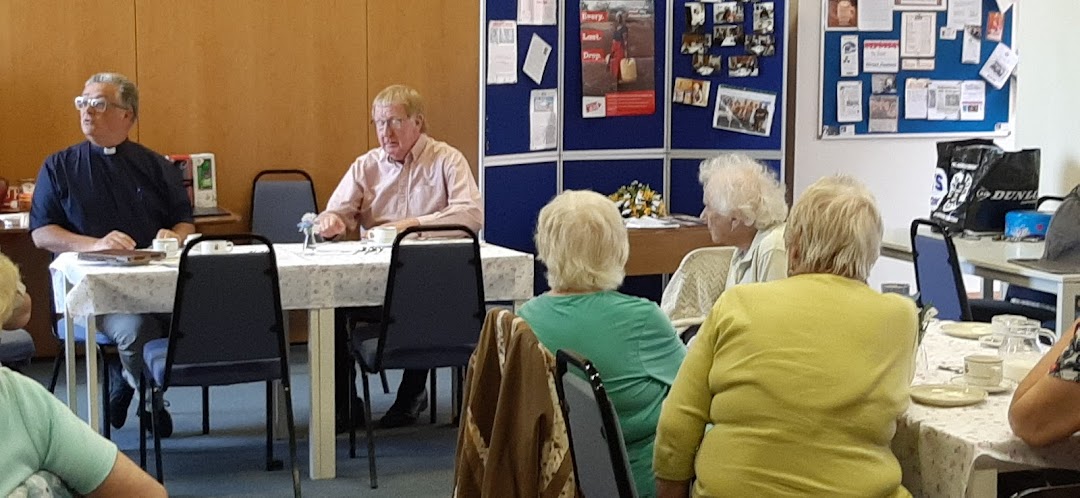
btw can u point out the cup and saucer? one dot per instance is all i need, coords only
(1004, 386)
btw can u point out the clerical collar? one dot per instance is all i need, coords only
(108, 151)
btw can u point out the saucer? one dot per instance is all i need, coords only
(947, 395)
(991, 340)
(966, 330)
(1005, 386)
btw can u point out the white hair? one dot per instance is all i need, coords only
(408, 97)
(581, 238)
(127, 92)
(736, 185)
(835, 227)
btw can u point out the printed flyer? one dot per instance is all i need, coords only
(618, 58)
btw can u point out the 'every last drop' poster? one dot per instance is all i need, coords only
(617, 58)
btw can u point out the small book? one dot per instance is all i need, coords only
(121, 256)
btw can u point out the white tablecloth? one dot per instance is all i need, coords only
(939, 448)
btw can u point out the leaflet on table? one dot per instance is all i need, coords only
(917, 34)
(537, 12)
(543, 119)
(972, 100)
(502, 53)
(972, 47)
(849, 101)
(849, 55)
(943, 101)
(964, 13)
(875, 15)
(881, 56)
(915, 94)
(536, 58)
(999, 66)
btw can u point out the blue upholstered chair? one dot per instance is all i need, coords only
(596, 441)
(432, 315)
(226, 329)
(277, 204)
(16, 348)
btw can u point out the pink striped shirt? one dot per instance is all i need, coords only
(433, 185)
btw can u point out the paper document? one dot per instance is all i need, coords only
(881, 56)
(943, 101)
(964, 13)
(1003, 5)
(849, 55)
(972, 48)
(999, 66)
(536, 58)
(502, 53)
(648, 222)
(875, 15)
(884, 110)
(973, 100)
(915, 98)
(917, 34)
(849, 101)
(536, 12)
(917, 64)
(543, 119)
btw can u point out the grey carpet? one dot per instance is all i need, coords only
(414, 461)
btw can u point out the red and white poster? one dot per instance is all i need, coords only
(618, 56)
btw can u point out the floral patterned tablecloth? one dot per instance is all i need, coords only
(334, 275)
(940, 448)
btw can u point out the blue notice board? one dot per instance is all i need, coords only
(946, 64)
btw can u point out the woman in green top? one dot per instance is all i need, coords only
(582, 240)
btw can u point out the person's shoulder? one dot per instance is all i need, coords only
(140, 149)
(774, 238)
(65, 156)
(443, 149)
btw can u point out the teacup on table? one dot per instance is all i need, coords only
(169, 246)
(383, 235)
(983, 370)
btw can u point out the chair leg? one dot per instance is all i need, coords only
(140, 411)
(433, 373)
(385, 384)
(157, 402)
(271, 464)
(206, 409)
(458, 393)
(106, 410)
(56, 370)
(292, 435)
(370, 434)
(352, 414)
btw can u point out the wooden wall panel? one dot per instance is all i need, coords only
(261, 83)
(48, 48)
(433, 46)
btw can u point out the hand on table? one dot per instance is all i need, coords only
(329, 225)
(165, 233)
(114, 240)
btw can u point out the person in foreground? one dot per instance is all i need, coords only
(409, 180)
(803, 378)
(582, 240)
(1045, 407)
(40, 433)
(111, 193)
(745, 208)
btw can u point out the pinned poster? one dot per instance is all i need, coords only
(543, 119)
(617, 72)
(849, 55)
(502, 53)
(881, 56)
(972, 100)
(915, 98)
(536, 58)
(536, 12)
(999, 66)
(849, 101)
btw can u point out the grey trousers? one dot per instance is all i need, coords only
(131, 333)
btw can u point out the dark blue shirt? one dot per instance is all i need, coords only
(135, 191)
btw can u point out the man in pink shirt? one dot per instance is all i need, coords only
(410, 180)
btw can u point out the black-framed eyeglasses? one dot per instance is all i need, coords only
(100, 104)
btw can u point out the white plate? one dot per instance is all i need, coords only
(947, 395)
(991, 340)
(1005, 386)
(966, 330)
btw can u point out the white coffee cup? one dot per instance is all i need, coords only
(983, 370)
(216, 246)
(382, 235)
(169, 246)
(190, 239)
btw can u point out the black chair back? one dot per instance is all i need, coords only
(228, 309)
(596, 441)
(277, 205)
(937, 272)
(1060, 491)
(434, 306)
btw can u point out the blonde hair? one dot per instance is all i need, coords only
(736, 185)
(9, 282)
(581, 238)
(835, 227)
(408, 97)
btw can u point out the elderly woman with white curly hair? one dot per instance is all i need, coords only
(802, 378)
(745, 208)
(582, 240)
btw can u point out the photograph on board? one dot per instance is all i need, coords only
(695, 17)
(707, 65)
(729, 35)
(764, 18)
(742, 66)
(691, 92)
(842, 14)
(728, 13)
(882, 83)
(743, 110)
(763, 45)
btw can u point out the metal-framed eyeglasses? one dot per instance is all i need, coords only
(100, 104)
(392, 123)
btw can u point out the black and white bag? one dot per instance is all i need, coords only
(976, 183)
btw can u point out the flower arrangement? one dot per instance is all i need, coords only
(307, 227)
(638, 200)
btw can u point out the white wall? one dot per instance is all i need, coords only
(898, 171)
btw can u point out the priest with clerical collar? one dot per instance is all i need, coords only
(111, 193)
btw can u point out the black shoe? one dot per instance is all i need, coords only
(119, 402)
(398, 416)
(164, 420)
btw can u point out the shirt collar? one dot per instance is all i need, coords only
(758, 237)
(108, 151)
(414, 152)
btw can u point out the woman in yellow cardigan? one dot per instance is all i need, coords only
(802, 379)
